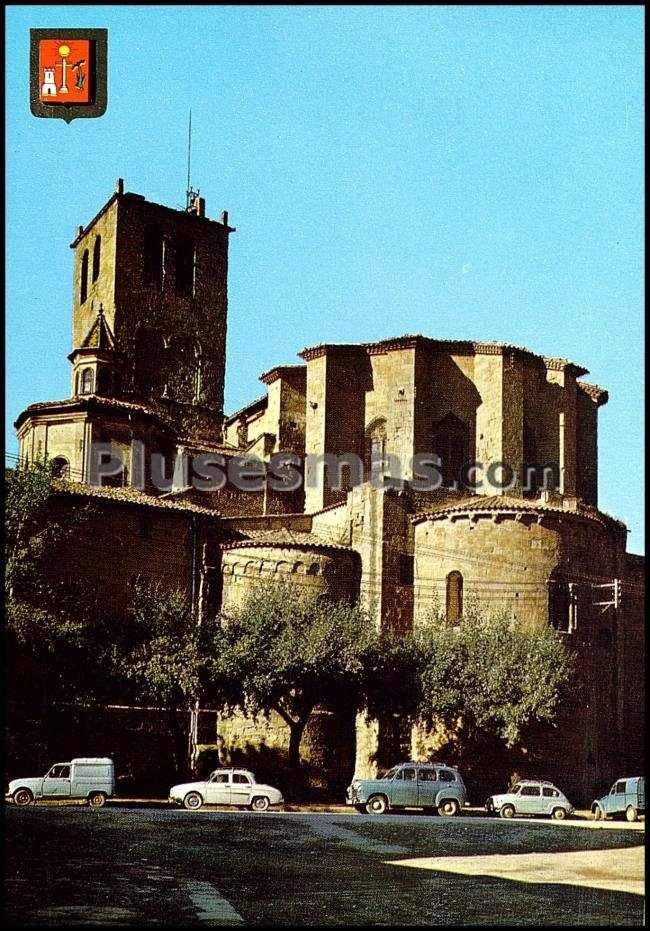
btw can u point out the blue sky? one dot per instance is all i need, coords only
(470, 172)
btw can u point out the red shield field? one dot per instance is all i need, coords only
(64, 71)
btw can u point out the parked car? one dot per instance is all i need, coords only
(531, 797)
(434, 787)
(626, 797)
(90, 778)
(226, 787)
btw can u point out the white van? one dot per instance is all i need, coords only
(90, 778)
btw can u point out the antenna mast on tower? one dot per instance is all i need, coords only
(191, 195)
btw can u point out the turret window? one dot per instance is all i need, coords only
(97, 254)
(83, 292)
(87, 381)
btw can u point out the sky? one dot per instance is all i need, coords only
(461, 172)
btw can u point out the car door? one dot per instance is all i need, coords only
(617, 796)
(427, 788)
(549, 801)
(404, 788)
(447, 780)
(529, 800)
(56, 783)
(218, 789)
(240, 789)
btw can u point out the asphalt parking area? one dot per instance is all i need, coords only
(169, 866)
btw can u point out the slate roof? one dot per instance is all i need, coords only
(100, 335)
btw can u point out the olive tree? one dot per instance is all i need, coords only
(289, 652)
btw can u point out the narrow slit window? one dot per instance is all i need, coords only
(84, 277)
(97, 257)
(454, 605)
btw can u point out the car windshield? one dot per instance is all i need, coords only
(391, 773)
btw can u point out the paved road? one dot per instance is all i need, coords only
(128, 866)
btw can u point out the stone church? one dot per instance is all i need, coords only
(148, 365)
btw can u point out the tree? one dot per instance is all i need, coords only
(492, 675)
(53, 625)
(287, 653)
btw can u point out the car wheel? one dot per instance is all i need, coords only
(598, 814)
(376, 805)
(507, 811)
(261, 803)
(23, 797)
(559, 814)
(192, 801)
(631, 813)
(96, 799)
(448, 808)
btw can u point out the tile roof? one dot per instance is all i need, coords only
(279, 371)
(598, 394)
(92, 401)
(284, 537)
(506, 503)
(129, 495)
(413, 339)
(254, 405)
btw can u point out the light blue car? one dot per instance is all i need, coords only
(531, 797)
(435, 787)
(626, 797)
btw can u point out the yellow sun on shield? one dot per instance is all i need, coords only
(64, 51)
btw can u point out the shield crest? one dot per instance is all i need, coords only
(68, 73)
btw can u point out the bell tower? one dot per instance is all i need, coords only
(151, 300)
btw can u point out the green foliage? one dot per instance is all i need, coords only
(162, 651)
(52, 628)
(391, 680)
(492, 675)
(288, 653)
(27, 492)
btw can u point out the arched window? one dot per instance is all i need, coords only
(83, 294)
(87, 381)
(97, 254)
(185, 262)
(154, 255)
(60, 467)
(454, 601)
(450, 441)
(375, 448)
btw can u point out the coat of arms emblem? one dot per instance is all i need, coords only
(68, 72)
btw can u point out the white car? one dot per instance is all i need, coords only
(226, 787)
